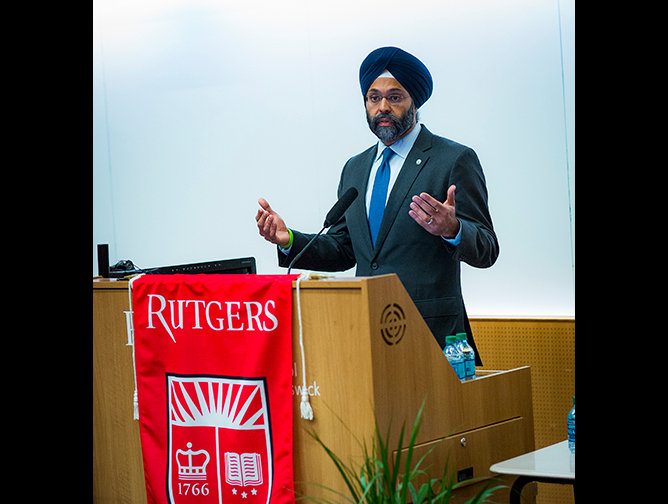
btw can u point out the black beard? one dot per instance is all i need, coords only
(399, 127)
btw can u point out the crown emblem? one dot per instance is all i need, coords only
(192, 471)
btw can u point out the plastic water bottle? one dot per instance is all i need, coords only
(454, 356)
(469, 355)
(571, 429)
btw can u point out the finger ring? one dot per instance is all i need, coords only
(430, 221)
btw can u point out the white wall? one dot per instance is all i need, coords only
(200, 107)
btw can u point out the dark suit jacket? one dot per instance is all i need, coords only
(427, 265)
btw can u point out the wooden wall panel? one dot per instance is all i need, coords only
(548, 346)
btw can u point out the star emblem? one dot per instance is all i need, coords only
(234, 491)
(244, 495)
(254, 491)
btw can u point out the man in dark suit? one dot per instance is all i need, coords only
(405, 220)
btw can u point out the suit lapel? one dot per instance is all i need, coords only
(358, 224)
(415, 162)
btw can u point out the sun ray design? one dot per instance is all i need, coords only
(230, 404)
(236, 403)
(219, 405)
(181, 410)
(247, 403)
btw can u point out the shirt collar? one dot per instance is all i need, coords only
(403, 146)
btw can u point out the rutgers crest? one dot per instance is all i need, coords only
(220, 447)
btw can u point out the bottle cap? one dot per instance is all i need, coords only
(451, 339)
(462, 336)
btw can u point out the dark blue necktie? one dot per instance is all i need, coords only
(379, 195)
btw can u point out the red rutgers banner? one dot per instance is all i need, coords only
(214, 377)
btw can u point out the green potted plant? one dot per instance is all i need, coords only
(380, 481)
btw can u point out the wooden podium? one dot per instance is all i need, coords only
(369, 352)
(369, 356)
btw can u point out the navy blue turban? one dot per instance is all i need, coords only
(406, 68)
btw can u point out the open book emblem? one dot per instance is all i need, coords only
(219, 440)
(244, 469)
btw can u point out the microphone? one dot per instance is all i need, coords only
(333, 216)
(340, 207)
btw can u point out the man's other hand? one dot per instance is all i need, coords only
(436, 217)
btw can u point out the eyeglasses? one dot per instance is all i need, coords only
(393, 98)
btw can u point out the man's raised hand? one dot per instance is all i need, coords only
(270, 225)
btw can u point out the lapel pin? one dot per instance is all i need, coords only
(419, 161)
